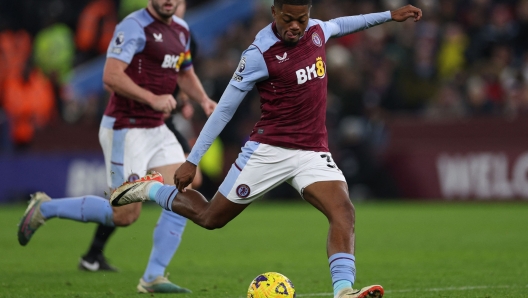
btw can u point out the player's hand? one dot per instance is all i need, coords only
(163, 103)
(208, 106)
(184, 175)
(408, 11)
(187, 111)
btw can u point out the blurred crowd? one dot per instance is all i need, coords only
(44, 44)
(466, 58)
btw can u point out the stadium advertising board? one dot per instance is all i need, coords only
(480, 159)
(59, 175)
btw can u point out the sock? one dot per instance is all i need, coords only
(163, 195)
(102, 234)
(167, 238)
(343, 271)
(84, 209)
(154, 187)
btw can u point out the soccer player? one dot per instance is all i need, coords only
(148, 56)
(94, 259)
(287, 65)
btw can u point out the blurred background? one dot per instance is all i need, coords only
(434, 110)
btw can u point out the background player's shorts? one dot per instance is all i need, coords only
(130, 152)
(261, 167)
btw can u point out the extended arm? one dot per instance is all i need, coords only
(223, 113)
(346, 25)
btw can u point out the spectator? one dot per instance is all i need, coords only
(29, 104)
(95, 29)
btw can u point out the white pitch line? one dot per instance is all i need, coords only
(465, 288)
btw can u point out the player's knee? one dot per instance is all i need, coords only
(350, 209)
(126, 221)
(122, 219)
(344, 213)
(212, 224)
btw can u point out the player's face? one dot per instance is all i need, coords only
(165, 8)
(291, 21)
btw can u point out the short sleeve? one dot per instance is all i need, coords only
(129, 39)
(251, 69)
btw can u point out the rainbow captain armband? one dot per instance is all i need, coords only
(184, 61)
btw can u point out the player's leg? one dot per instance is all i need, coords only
(322, 184)
(118, 168)
(83, 209)
(331, 198)
(166, 240)
(94, 259)
(190, 204)
(168, 232)
(258, 169)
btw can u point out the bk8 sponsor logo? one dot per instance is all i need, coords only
(316, 70)
(173, 61)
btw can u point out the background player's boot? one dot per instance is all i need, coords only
(99, 263)
(375, 291)
(32, 218)
(160, 285)
(136, 191)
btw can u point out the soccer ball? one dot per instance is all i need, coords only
(271, 285)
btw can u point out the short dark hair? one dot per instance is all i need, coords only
(279, 3)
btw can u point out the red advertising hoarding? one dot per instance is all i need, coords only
(478, 159)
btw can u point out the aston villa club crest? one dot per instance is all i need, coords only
(243, 191)
(317, 40)
(183, 40)
(133, 177)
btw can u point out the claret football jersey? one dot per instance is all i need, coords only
(155, 52)
(292, 83)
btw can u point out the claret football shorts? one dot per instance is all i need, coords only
(130, 152)
(261, 167)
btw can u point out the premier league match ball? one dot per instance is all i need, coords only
(271, 285)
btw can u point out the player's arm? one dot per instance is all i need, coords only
(128, 40)
(252, 69)
(115, 79)
(190, 84)
(350, 24)
(223, 113)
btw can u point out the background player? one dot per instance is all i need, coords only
(148, 56)
(286, 63)
(94, 259)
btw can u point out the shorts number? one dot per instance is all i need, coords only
(330, 161)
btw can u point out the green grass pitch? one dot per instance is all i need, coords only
(412, 249)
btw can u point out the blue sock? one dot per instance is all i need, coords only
(167, 238)
(154, 189)
(163, 195)
(343, 271)
(84, 209)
